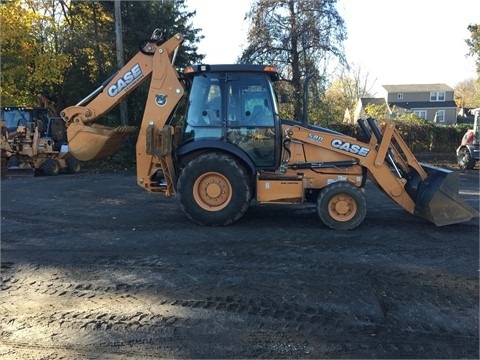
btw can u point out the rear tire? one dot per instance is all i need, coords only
(341, 206)
(465, 160)
(214, 190)
(51, 167)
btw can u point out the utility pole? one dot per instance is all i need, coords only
(120, 59)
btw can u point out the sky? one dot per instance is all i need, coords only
(393, 42)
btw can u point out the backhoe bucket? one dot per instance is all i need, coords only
(87, 142)
(437, 198)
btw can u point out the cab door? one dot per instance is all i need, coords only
(250, 118)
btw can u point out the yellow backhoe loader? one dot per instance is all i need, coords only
(34, 140)
(212, 137)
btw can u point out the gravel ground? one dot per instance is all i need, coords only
(94, 267)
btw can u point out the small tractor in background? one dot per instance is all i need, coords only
(468, 151)
(33, 140)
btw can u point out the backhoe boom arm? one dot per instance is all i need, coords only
(150, 59)
(88, 140)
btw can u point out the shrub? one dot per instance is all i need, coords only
(420, 136)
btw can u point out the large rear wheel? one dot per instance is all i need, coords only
(214, 189)
(341, 206)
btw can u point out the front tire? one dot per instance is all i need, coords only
(341, 206)
(51, 167)
(214, 190)
(465, 160)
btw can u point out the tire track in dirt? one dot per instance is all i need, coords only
(120, 309)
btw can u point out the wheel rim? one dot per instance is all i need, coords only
(342, 207)
(463, 158)
(212, 191)
(56, 167)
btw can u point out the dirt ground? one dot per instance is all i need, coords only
(94, 267)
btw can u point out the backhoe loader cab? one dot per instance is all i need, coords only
(232, 107)
(30, 117)
(215, 135)
(22, 116)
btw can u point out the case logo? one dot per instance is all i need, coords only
(126, 81)
(351, 148)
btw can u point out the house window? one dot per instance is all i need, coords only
(421, 113)
(437, 96)
(440, 116)
(400, 96)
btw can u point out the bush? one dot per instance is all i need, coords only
(431, 138)
(419, 136)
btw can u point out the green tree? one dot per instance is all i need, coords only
(31, 59)
(169, 15)
(377, 111)
(344, 92)
(474, 44)
(51, 59)
(467, 94)
(90, 44)
(297, 36)
(91, 40)
(67, 48)
(474, 51)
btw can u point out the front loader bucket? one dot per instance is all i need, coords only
(19, 172)
(87, 142)
(437, 198)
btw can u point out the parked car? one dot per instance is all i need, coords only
(468, 151)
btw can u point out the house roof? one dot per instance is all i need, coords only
(416, 88)
(423, 104)
(373, 101)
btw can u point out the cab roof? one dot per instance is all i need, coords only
(220, 68)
